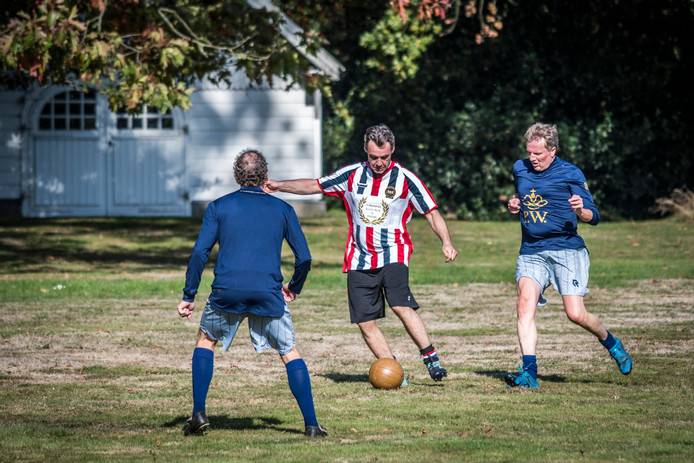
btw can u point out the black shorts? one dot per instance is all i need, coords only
(366, 290)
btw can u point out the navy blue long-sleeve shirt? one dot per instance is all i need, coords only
(250, 227)
(547, 220)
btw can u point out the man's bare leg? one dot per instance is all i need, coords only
(414, 325)
(375, 340)
(415, 328)
(526, 306)
(577, 313)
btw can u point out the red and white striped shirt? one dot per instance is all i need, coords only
(378, 208)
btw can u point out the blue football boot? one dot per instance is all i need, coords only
(436, 371)
(622, 357)
(524, 380)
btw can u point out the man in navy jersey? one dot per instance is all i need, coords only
(249, 226)
(379, 196)
(552, 196)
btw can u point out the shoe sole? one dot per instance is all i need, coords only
(200, 431)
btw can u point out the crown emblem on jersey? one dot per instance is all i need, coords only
(533, 201)
(374, 220)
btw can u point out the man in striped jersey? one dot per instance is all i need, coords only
(379, 197)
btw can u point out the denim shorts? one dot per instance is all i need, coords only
(266, 332)
(566, 270)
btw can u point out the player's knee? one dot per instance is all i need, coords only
(205, 341)
(290, 356)
(526, 306)
(368, 326)
(402, 311)
(576, 314)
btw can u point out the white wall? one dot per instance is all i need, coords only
(11, 104)
(283, 125)
(221, 123)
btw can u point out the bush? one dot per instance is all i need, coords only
(679, 204)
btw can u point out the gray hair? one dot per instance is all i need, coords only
(250, 168)
(546, 132)
(379, 134)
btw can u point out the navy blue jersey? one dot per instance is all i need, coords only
(249, 226)
(547, 220)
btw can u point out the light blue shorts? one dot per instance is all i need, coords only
(266, 332)
(566, 270)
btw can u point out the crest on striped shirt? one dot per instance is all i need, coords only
(371, 212)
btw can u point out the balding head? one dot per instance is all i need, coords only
(250, 168)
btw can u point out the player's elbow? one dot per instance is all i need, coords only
(304, 263)
(596, 217)
(199, 255)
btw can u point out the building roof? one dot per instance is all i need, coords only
(291, 31)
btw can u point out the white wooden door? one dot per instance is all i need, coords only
(146, 166)
(146, 177)
(69, 176)
(68, 168)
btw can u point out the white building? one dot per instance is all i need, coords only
(65, 153)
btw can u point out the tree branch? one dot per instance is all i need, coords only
(204, 43)
(454, 21)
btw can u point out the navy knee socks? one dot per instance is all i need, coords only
(203, 367)
(300, 385)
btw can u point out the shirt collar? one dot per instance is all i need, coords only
(374, 174)
(254, 189)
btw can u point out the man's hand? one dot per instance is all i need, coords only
(576, 203)
(514, 205)
(185, 309)
(288, 294)
(449, 252)
(271, 186)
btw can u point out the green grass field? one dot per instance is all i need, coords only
(96, 364)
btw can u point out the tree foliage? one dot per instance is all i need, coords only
(149, 52)
(614, 78)
(459, 81)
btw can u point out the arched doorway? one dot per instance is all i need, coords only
(67, 166)
(84, 160)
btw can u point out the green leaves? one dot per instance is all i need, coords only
(397, 45)
(146, 52)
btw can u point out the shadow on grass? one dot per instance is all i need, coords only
(345, 378)
(505, 376)
(237, 423)
(44, 245)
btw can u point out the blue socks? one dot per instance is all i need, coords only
(530, 365)
(609, 341)
(300, 385)
(297, 374)
(203, 366)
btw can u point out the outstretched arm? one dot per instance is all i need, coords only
(438, 225)
(302, 186)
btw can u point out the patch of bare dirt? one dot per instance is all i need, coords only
(473, 326)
